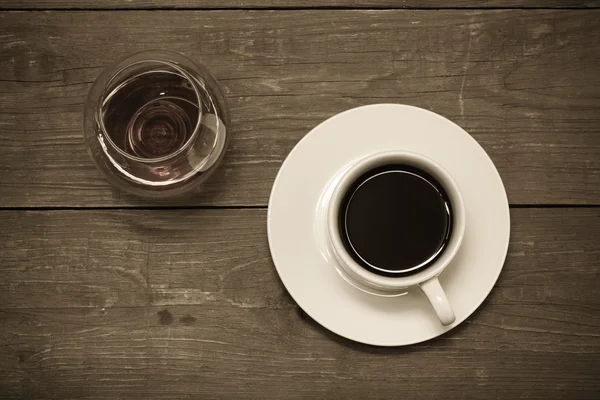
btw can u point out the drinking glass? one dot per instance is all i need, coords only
(155, 124)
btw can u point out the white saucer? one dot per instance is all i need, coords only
(297, 242)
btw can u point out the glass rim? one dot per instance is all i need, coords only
(104, 96)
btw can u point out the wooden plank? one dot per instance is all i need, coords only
(261, 4)
(128, 258)
(175, 303)
(523, 83)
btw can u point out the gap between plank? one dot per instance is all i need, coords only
(251, 207)
(126, 208)
(296, 8)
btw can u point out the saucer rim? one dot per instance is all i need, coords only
(476, 304)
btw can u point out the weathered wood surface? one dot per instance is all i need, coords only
(524, 83)
(173, 303)
(261, 4)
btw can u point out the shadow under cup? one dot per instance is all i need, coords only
(396, 220)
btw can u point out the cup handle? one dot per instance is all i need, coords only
(437, 297)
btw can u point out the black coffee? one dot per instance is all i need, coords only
(395, 220)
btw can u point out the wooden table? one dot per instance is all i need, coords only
(103, 295)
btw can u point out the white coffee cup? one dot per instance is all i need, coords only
(426, 279)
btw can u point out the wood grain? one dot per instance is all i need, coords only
(174, 303)
(523, 83)
(261, 4)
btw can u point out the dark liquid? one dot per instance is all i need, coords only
(395, 220)
(152, 114)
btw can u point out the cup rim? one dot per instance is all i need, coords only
(349, 175)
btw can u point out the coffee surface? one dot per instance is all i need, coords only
(395, 220)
